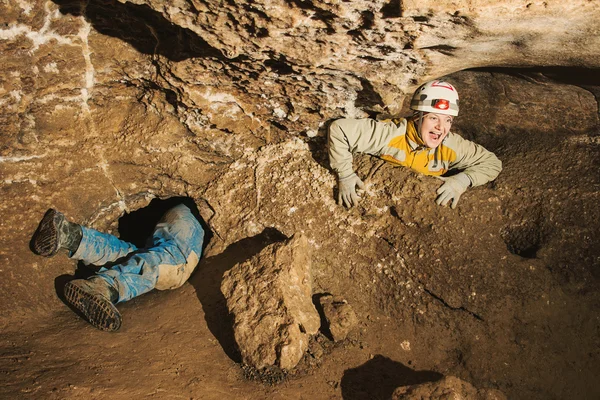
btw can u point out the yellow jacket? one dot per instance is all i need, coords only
(398, 142)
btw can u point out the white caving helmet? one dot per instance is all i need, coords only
(437, 96)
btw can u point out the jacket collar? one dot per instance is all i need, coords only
(414, 139)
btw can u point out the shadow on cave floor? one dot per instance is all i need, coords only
(207, 283)
(379, 377)
(142, 27)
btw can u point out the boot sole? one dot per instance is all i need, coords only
(97, 310)
(45, 238)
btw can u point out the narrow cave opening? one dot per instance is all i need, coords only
(137, 226)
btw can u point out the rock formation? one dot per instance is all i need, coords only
(340, 316)
(449, 388)
(107, 105)
(270, 297)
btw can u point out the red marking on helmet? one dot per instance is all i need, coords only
(441, 104)
(442, 84)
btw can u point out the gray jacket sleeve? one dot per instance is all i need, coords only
(480, 165)
(349, 136)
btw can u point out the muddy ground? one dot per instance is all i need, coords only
(501, 292)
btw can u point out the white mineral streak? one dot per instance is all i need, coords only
(51, 67)
(219, 97)
(16, 94)
(38, 38)
(46, 35)
(25, 6)
(53, 96)
(88, 86)
(22, 158)
(104, 166)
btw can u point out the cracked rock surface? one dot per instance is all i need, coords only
(270, 297)
(108, 107)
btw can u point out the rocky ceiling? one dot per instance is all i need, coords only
(263, 69)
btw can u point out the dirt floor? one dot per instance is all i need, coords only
(501, 292)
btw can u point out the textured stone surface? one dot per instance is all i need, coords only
(340, 316)
(270, 297)
(261, 70)
(449, 388)
(371, 53)
(107, 105)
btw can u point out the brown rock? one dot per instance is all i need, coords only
(340, 316)
(449, 388)
(270, 299)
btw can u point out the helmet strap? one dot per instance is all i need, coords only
(418, 116)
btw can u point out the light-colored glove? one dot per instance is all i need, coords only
(347, 190)
(453, 187)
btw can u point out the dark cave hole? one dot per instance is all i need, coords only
(136, 227)
(279, 125)
(279, 65)
(367, 20)
(172, 98)
(255, 31)
(421, 18)
(523, 241)
(393, 9)
(368, 96)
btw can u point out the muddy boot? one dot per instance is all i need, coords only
(95, 299)
(53, 233)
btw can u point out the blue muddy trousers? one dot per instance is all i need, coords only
(167, 261)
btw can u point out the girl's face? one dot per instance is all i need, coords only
(435, 128)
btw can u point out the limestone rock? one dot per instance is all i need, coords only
(340, 316)
(107, 105)
(356, 54)
(270, 299)
(449, 388)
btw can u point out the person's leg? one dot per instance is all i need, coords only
(55, 232)
(180, 227)
(97, 248)
(94, 297)
(166, 263)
